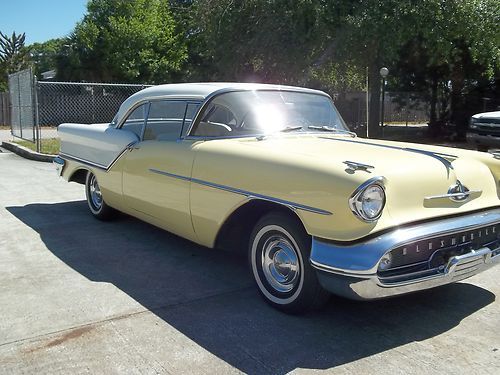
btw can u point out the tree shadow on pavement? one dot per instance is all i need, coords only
(209, 296)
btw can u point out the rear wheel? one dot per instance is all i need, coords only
(97, 206)
(279, 258)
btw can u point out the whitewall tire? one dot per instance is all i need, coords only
(279, 257)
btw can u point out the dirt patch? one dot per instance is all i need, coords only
(67, 336)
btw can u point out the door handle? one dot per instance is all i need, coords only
(133, 147)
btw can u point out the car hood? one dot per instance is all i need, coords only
(415, 175)
(487, 115)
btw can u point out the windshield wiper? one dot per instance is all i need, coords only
(290, 129)
(331, 129)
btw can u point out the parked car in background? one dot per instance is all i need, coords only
(484, 130)
(273, 171)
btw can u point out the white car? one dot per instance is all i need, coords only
(484, 130)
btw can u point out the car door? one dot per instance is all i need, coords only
(157, 170)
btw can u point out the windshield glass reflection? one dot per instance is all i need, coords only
(249, 113)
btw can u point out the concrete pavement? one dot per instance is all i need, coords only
(82, 296)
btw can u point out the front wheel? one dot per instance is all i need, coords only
(279, 258)
(97, 206)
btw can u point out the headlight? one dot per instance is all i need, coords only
(368, 201)
(472, 123)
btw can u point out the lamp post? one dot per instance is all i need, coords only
(384, 72)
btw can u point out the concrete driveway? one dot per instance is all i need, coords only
(81, 296)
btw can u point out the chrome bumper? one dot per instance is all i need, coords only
(352, 270)
(59, 163)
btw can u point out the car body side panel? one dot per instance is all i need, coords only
(156, 184)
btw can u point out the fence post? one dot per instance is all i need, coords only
(36, 128)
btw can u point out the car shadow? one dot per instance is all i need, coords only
(209, 296)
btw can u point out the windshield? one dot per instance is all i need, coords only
(249, 113)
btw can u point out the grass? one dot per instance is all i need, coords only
(48, 146)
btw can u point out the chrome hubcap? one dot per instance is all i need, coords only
(280, 264)
(95, 193)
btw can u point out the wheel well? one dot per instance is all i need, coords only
(79, 176)
(234, 234)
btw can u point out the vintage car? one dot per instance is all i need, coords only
(484, 131)
(273, 171)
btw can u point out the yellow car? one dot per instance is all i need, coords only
(273, 171)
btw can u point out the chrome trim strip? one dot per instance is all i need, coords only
(436, 155)
(463, 195)
(97, 165)
(361, 259)
(74, 158)
(245, 193)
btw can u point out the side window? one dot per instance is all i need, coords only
(164, 121)
(191, 110)
(217, 121)
(135, 120)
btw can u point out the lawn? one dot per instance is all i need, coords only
(48, 146)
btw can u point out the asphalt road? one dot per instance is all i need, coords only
(81, 296)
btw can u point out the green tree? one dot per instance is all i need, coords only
(254, 40)
(128, 41)
(13, 56)
(43, 56)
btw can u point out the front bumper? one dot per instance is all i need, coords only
(483, 140)
(353, 270)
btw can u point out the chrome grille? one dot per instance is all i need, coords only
(430, 256)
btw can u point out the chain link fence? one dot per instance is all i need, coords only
(85, 103)
(38, 107)
(400, 108)
(22, 114)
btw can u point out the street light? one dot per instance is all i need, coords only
(384, 72)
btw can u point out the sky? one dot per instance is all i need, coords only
(41, 20)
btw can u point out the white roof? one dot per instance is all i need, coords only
(199, 91)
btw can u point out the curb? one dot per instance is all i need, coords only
(27, 153)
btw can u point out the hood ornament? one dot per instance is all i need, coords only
(355, 166)
(457, 193)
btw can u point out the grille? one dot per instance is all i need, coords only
(427, 257)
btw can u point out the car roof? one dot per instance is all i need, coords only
(199, 91)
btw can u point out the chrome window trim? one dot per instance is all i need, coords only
(119, 123)
(248, 194)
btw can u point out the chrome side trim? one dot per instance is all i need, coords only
(83, 161)
(245, 193)
(97, 165)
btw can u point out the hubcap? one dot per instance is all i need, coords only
(280, 264)
(95, 193)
